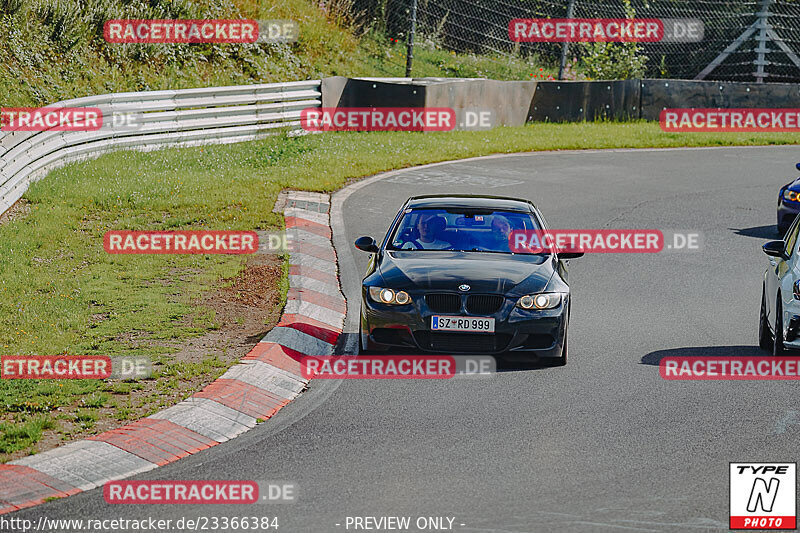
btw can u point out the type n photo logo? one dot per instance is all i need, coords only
(763, 496)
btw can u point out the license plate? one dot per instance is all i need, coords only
(462, 323)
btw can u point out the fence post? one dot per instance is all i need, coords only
(410, 50)
(761, 39)
(565, 46)
(764, 33)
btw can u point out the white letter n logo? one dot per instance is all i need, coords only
(763, 494)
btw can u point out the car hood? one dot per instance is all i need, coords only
(483, 272)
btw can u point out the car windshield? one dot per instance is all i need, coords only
(459, 229)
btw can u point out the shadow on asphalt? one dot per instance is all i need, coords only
(348, 344)
(654, 358)
(760, 232)
(517, 366)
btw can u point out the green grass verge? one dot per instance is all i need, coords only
(61, 293)
(382, 57)
(55, 50)
(16, 436)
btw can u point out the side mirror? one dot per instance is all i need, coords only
(797, 166)
(367, 244)
(570, 255)
(775, 249)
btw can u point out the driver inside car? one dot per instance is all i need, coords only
(430, 227)
(501, 232)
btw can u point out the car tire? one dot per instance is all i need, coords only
(778, 349)
(765, 340)
(365, 349)
(561, 361)
(361, 349)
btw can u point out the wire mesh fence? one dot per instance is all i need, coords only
(765, 32)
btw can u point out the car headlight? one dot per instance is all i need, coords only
(543, 300)
(388, 296)
(792, 196)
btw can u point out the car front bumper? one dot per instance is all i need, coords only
(517, 331)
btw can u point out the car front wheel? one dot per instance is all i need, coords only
(765, 340)
(561, 361)
(778, 349)
(361, 350)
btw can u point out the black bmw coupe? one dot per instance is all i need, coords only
(445, 280)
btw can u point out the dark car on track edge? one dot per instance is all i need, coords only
(444, 280)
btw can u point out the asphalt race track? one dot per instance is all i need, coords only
(603, 444)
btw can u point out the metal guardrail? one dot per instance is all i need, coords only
(183, 117)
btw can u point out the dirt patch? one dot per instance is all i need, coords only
(245, 309)
(20, 209)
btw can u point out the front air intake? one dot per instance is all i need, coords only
(443, 302)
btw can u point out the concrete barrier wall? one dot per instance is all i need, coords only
(515, 102)
(508, 101)
(570, 101)
(664, 94)
(339, 91)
